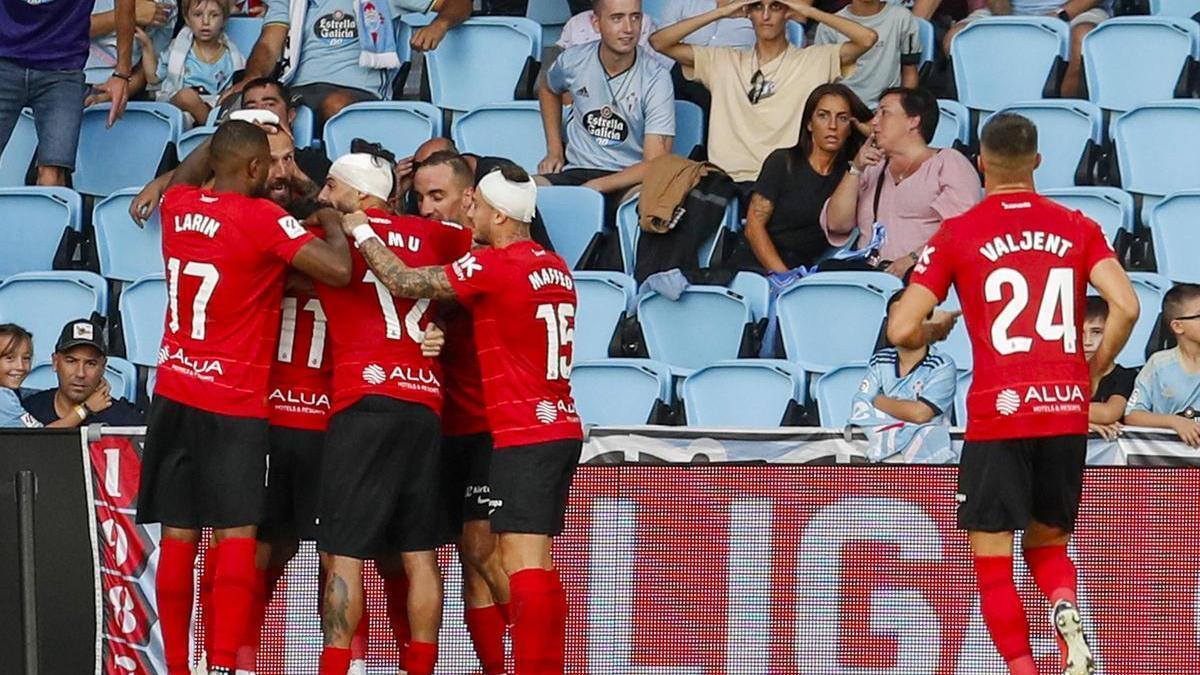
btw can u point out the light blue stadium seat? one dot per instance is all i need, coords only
(703, 326)
(33, 221)
(1150, 289)
(151, 379)
(1111, 207)
(755, 393)
(656, 9)
(1070, 134)
(1034, 50)
(795, 33)
(43, 302)
(628, 233)
(832, 318)
(757, 291)
(143, 311)
(1175, 222)
(834, 392)
(243, 31)
(603, 299)
(192, 138)
(689, 128)
(1180, 8)
(1131, 60)
(119, 373)
(1157, 146)
(954, 124)
(127, 252)
(574, 218)
(620, 392)
(512, 130)
(481, 61)
(400, 126)
(957, 344)
(928, 44)
(552, 15)
(17, 155)
(960, 397)
(128, 154)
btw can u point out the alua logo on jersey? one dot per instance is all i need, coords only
(374, 374)
(547, 411)
(178, 356)
(1042, 399)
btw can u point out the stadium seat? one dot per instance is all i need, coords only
(620, 392)
(1179, 8)
(1035, 51)
(795, 33)
(957, 345)
(302, 125)
(628, 232)
(1070, 135)
(1131, 60)
(1111, 207)
(43, 302)
(512, 130)
(192, 138)
(243, 31)
(1157, 146)
(574, 218)
(929, 44)
(703, 326)
(834, 392)
(400, 126)
(756, 393)
(1150, 288)
(552, 15)
(1175, 222)
(960, 397)
(127, 252)
(33, 221)
(143, 312)
(757, 291)
(832, 318)
(954, 124)
(151, 379)
(120, 374)
(689, 128)
(655, 9)
(480, 61)
(17, 156)
(603, 299)
(130, 153)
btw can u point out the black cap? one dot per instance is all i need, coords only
(82, 332)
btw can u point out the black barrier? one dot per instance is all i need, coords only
(64, 595)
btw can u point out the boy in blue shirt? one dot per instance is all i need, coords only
(198, 64)
(1167, 392)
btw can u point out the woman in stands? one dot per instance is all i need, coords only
(16, 359)
(783, 223)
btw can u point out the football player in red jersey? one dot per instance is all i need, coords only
(1021, 265)
(226, 253)
(522, 298)
(380, 465)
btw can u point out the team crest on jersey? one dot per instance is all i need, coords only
(865, 386)
(1008, 402)
(466, 267)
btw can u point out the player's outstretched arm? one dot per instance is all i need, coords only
(1110, 280)
(328, 260)
(912, 321)
(404, 281)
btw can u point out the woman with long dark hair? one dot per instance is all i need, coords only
(783, 222)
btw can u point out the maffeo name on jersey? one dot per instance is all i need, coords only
(550, 275)
(197, 222)
(1005, 244)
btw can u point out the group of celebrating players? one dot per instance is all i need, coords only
(305, 392)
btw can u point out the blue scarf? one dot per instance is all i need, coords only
(375, 36)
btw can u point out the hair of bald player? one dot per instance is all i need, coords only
(1010, 145)
(458, 166)
(236, 143)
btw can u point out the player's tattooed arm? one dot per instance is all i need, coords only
(402, 280)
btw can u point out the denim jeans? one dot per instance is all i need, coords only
(56, 97)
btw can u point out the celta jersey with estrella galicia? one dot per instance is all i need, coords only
(523, 300)
(1020, 264)
(375, 337)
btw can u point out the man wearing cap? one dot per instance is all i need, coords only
(522, 298)
(79, 360)
(380, 466)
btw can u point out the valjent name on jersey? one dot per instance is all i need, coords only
(1005, 244)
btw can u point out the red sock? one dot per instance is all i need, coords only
(560, 613)
(396, 590)
(505, 610)
(537, 629)
(358, 643)
(174, 586)
(1054, 574)
(1003, 613)
(486, 626)
(334, 661)
(247, 653)
(421, 658)
(233, 596)
(208, 574)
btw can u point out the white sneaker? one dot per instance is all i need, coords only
(357, 667)
(202, 667)
(1070, 628)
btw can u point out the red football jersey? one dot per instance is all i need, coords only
(1020, 264)
(302, 371)
(376, 337)
(226, 256)
(464, 412)
(523, 301)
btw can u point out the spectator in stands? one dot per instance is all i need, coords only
(1167, 391)
(736, 32)
(756, 92)
(901, 183)
(43, 49)
(79, 362)
(198, 64)
(1081, 15)
(783, 224)
(155, 23)
(893, 61)
(16, 359)
(623, 106)
(329, 44)
(1111, 397)
(581, 30)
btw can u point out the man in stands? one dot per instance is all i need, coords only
(623, 106)
(522, 298)
(379, 470)
(226, 252)
(1021, 265)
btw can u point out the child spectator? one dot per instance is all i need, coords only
(893, 61)
(1111, 397)
(1167, 392)
(198, 64)
(16, 360)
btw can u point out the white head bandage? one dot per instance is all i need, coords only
(515, 200)
(365, 173)
(257, 116)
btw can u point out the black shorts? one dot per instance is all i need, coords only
(530, 485)
(314, 95)
(379, 480)
(576, 176)
(202, 469)
(293, 481)
(1005, 484)
(466, 462)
